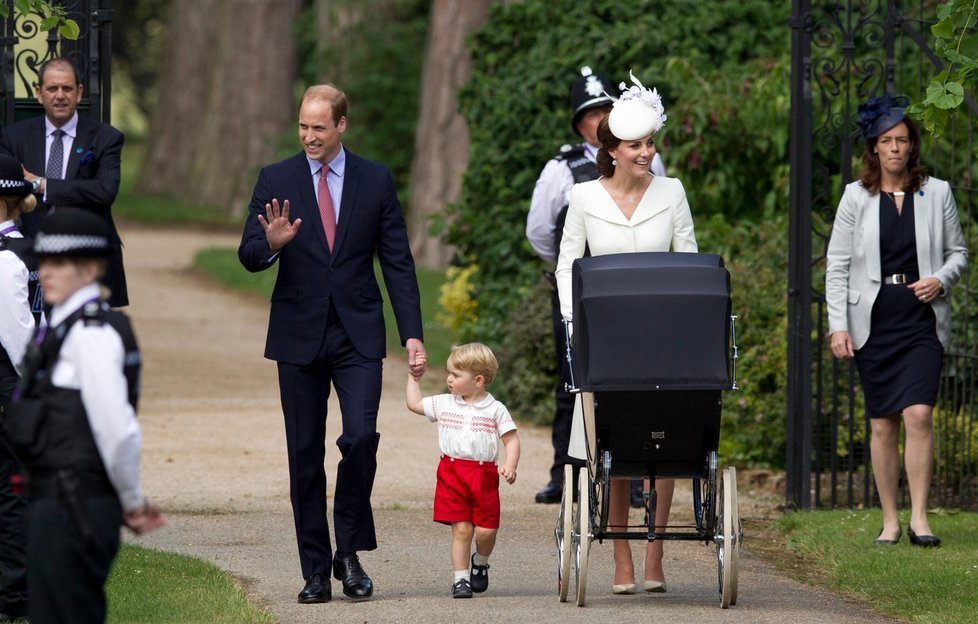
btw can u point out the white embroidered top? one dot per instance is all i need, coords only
(469, 430)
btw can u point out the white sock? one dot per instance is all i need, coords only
(479, 560)
(461, 574)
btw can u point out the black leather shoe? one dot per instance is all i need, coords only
(892, 542)
(551, 494)
(479, 576)
(462, 589)
(317, 589)
(637, 495)
(924, 541)
(356, 584)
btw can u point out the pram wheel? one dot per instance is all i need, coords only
(738, 533)
(564, 532)
(728, 539)
(584, 534)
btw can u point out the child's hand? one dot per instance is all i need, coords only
(508, 473)
(420, 363)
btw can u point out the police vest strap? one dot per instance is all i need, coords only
(582, 168)
(40, 359)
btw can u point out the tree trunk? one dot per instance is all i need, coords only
(226, 95)
(441, 150)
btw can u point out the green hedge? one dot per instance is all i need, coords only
(722, 71)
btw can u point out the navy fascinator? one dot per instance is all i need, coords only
(879, 114)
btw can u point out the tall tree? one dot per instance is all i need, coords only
(441, 152)
(226, 95)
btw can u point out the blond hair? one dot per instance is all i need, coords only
(476, 358)
(17, 206)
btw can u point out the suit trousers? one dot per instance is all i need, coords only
(305, 390)
(13, 535)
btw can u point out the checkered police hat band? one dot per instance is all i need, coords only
(67, 243)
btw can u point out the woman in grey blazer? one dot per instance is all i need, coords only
(895, 252)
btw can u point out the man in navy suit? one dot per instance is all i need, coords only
(327, 326)
(85, 174)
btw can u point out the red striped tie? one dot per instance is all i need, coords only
(326, 208)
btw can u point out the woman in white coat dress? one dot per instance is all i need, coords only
(895, 252)
(628, 209)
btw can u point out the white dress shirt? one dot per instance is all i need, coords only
(91, 361)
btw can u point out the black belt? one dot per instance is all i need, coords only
(900, 278)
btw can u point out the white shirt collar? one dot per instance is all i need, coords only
(70, 128)
(338, 164)
(79, 298)
(484, 402)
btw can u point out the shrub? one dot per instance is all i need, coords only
(721, 69)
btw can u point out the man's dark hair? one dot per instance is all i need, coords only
(59, 63)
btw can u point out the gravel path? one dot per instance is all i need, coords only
(214, 459)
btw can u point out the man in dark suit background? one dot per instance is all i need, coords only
(327, 326)
(84, 172)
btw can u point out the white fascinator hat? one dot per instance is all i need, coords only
(637, 113)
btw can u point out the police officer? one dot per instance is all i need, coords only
(73, 424)
(18, 293)
(590, 103)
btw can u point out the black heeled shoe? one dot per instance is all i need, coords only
(924, 541)
(892, 542)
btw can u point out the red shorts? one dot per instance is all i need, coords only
(467, 491)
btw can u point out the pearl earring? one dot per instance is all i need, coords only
(614, 162)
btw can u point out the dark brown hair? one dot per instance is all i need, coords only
(608, 142)
(871, 174)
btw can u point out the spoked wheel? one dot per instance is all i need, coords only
(564, 532)
(602, 492)
(584, 534)
(725, 540)
(710, 498)
(738, 535)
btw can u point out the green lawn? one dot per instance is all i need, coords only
(925, 585)
(160, 587)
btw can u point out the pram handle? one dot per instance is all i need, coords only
(571, 387)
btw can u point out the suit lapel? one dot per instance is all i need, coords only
(871, 236)
(923, 208)
(351, 180)
(36, 147)
(83, 140)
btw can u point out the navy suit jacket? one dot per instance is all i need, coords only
(310, 277)
(91, 181)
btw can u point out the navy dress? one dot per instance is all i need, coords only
(900, 364)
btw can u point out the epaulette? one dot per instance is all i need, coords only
(93, 313)
(569, 152)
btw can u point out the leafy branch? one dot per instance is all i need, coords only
(957, 43)
(52, 16)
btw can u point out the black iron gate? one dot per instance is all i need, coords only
(23, 47)
(842, 53)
